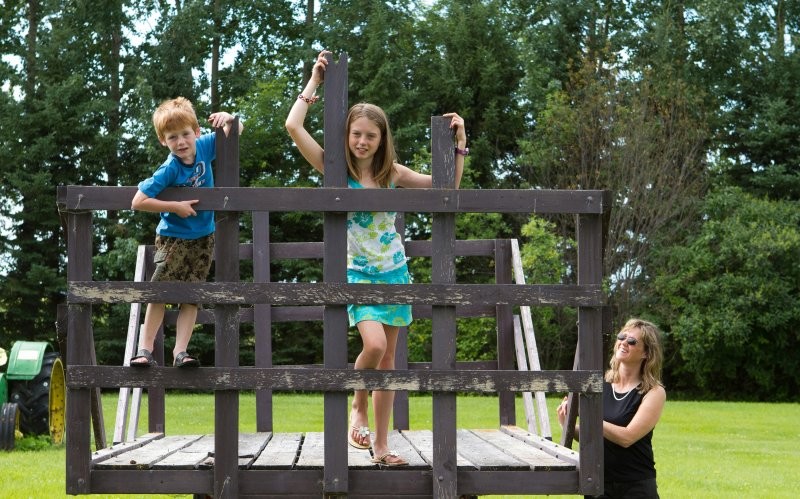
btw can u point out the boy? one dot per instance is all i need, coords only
(184, 237)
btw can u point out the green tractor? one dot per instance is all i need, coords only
(32, 393)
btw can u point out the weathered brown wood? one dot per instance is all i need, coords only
(167, 460)
(119, 448)
(342, 199)
(226, 330)
(445, 462)
(313, 454)
(535, 458)
(145, 456)
(79, 335)
(262, 316)
(280, 453)
(546, 445)
(334, 271)
(141, 482)
(422, 441)
(399, 442)
(313, 250)
(505, 329)
(316, 313)
(345, 380)
(337, 293)
(485, 456)
(443, 271)
(590, 355)
(529, 342)
(191, 457)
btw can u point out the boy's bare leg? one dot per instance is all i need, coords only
(184, 327)
(153, 317)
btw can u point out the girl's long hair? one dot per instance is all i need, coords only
(650, 369)
(385, 157)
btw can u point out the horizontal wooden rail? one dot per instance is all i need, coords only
(313, 250)
(346, 380)
(322, 293)
(283, 199)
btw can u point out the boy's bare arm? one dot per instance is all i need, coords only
(183, 209)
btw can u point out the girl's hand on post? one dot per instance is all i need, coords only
(457, 123)
(321, 64)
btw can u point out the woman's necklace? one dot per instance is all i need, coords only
(618, 399)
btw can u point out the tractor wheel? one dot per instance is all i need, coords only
(9, 425)
(34, 397)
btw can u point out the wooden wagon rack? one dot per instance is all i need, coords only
(446, 462)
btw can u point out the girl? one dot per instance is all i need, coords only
(370, 158)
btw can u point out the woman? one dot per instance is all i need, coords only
(633, 399)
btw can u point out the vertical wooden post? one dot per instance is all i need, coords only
(156, 403)
(590, 355)
(79, 336)
(505, 329)
(443, 317)
(262, 316)
(400, 408)
(226, 327)
(334, 269)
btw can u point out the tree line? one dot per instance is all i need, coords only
(687, 111)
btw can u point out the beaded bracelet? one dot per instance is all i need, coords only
(308, 100)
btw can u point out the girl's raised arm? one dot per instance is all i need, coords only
(406, 177)
(309, 148)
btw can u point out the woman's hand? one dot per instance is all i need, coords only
(561, 411)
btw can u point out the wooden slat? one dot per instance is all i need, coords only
(250, 446)
(400, 444)
(548, 446)
(522, 365)
(536, 459)
(335, 293)
(422, 442)
(120, 448)
(280, 453)
(277, 378)
(144, 457)
(312, 454)
(485, 456)
(530, 344)
(331, 199)
(193, 456)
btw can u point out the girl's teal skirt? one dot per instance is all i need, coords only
(392, 315)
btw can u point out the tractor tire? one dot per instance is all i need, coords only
(9, 425)
(33, 397)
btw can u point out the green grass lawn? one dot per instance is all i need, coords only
(702, 449)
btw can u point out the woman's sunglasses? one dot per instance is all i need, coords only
(630, 340)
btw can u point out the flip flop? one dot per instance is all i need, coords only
(183, 359)
(391, 458)
(360, 432)
(145, 354)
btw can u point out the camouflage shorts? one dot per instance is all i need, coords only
(183, 259)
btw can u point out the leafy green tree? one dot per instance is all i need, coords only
(729, 298)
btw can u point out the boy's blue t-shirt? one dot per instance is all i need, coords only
(173, 173)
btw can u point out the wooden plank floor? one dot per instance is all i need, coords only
(504, 449)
